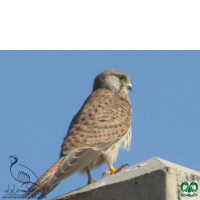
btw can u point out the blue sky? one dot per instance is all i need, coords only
(41, 91)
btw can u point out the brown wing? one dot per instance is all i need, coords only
(103, 119)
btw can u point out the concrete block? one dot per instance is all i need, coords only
(154, 179)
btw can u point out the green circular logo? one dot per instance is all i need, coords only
(192, 187)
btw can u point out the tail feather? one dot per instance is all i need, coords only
(73, 162)
(41, 186)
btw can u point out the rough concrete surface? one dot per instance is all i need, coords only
(154, 179)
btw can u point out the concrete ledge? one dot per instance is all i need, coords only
(154, 179)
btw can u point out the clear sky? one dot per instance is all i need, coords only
(41, 91)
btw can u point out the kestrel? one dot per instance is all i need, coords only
(100, 128)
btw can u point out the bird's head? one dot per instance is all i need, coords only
(114, 80)
(13, 157)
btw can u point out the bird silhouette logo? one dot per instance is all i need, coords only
(24, 174)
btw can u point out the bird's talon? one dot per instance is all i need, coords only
(107, 172)
(113, 170)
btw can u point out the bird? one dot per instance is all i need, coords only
(96, 133)
(25, 174)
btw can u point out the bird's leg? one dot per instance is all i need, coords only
(113, 170)
(90, 180)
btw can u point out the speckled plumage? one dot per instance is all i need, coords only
(97, 132)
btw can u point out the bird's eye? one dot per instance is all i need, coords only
(121, 77)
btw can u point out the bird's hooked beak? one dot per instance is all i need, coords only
(129, 86)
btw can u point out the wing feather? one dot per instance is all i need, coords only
(103, 118)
